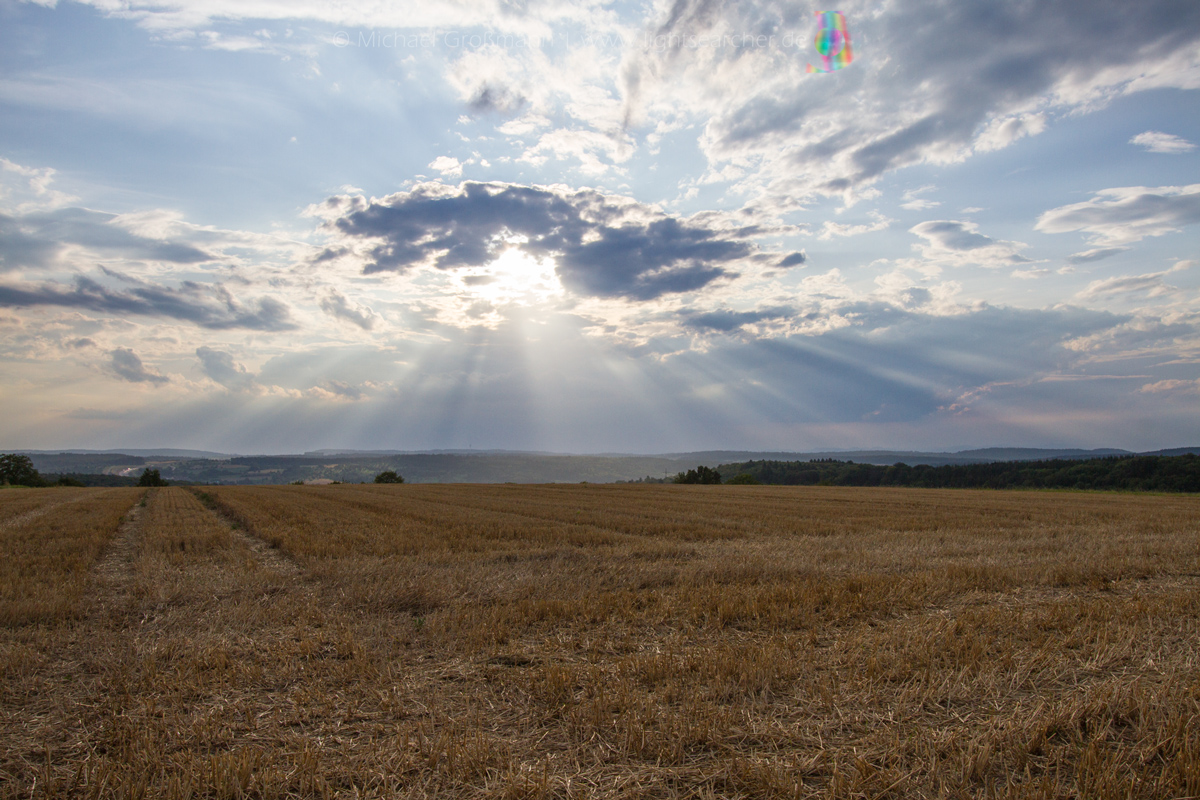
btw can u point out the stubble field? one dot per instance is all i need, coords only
(598, 641)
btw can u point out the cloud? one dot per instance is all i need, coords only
(960, 242)
(168, 19)
(35, 239)
(1095, 254)
(1158, 142)
(340, 390)
(831, 229)
(447, 166)
(220, 366)
(127, 365)
(793, 259)
(933, 82)
(1152, 283)
(914, 202)
(1125, 215)
(211, 307)
(604, 245)
(1173, 385)
(726, 320)
(337, 306)
(1002, 70)
(31, 186)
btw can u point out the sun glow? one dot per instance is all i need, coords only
(515, 277)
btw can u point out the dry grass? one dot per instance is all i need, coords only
(49, 540)
(586, 641)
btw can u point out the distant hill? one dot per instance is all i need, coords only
(496, 466)
(163, 452)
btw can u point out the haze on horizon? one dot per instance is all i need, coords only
(276, 227)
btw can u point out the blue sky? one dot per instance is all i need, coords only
(267, 226)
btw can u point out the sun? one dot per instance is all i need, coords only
(515, 276)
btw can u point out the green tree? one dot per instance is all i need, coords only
(18, 470)
(389, 476)
(151, 477)
(743, 479)
(705, 475)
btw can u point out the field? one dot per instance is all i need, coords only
(598, 641)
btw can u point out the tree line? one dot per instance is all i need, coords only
(1122, 473)
(18, 470)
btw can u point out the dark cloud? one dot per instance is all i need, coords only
(210, 307)
(221, 367)
(603, 246)
(793, 260)
(34, 240)
(337, 306)
(127, 365)
(497, 99)
(343, 389)
(330, 254)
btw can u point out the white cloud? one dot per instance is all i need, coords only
(523, 125)
(1173, 385)
(1152, 283)
(914, 202)
(30, 188)
(1095, 254)
(1030, 274)
(831, 229)
(447, 165)
(1158, 142)
(1002, 133)
(1128, 214)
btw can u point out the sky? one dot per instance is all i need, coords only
(273, 226)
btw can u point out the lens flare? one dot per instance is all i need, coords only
(832, 42)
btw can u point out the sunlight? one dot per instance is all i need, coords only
(515, 277)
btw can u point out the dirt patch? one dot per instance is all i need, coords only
(115, 568)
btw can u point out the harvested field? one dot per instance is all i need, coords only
(599, 641)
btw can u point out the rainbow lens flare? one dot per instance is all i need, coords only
(832, 42)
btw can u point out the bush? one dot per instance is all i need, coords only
(743, 479)
(389, 476)
(151, 477)
(18, 471)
